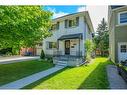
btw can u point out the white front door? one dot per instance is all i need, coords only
(122, 51)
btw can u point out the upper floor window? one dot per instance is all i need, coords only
(55, 26)
(72, 22)
(123, 18)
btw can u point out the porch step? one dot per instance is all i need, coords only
(62, 63)
(65, 62)
(63, 59)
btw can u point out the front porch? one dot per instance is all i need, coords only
(69, 50)
(71, 44)
(68, 60)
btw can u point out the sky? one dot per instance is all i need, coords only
(96, 12)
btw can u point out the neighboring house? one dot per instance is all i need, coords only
(69, 35)
(31, 51)
(27, 51)
(39, 47)
(117, 18)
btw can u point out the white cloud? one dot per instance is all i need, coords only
(57, 14)
(80, 9)
(96, 13)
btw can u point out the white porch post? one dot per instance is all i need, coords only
(57, 52)
(79, 48)
(57, 44)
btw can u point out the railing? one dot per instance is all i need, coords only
(72, 53)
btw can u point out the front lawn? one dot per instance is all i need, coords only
(92, 76)
(15, 71)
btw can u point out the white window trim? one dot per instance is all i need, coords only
(119, 18)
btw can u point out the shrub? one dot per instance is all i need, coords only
(42, 56)
(8, 53)
(50, 59)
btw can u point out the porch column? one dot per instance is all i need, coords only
(79, 46)
(57, 52)
(57, 44)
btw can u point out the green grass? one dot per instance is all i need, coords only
(92, 76)
(15, 71)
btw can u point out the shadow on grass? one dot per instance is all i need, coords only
(97, 78)
(43, 79)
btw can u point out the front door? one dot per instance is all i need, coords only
(122, 51)
(67, 47)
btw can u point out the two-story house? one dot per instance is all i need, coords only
(69, 33)
(117, 18)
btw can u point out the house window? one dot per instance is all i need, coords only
(123, 18)
(55, 26)
(66, 23)
(72, 22)
(51, 45)
(123, 48)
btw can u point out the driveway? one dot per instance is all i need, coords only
(115, 80)
(13, 59)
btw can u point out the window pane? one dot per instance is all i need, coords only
(123, 18)
(66, 23)
(74, 22)
(58, 25)
(52, 45)
(55, 26)
(70, 23)
(123, 48)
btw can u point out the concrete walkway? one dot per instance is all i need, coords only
(6, 60)
(115, 80)
(30, 79)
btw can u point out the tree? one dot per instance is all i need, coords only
(23, 26)
(89, 46)
(42, 56)
(102, 38)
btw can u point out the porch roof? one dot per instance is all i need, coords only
(71, 36)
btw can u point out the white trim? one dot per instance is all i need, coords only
(121, 25)
(118, 8)
(120, 43)
(119, 18)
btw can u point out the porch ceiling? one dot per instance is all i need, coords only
(71, 36)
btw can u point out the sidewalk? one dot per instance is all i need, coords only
(30, 79)
(115, 80)
(6, 60)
